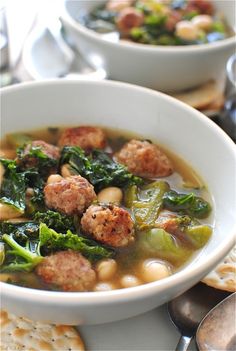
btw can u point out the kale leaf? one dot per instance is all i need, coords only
(29, 230)
(51, 240)
(13, 186)
(15, 183)
(21, 232)
(187, 203)
(20, 258)
(99, 168)
(55, 220)
(42, 163)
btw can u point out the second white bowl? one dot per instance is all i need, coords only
(169, 68)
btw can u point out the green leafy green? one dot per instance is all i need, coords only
(161, 244)
(218, 26)
(59, 222)
(155, 19)
(188, 203)
(186, 229)
(20, 258)
(52, 240)
(21, 232)
(98, 168)
(36, 183)
(2, 253)
(146, 202)
(15, 183)
(198, 235)
(42, 163)
(23, 247)
(13, 186)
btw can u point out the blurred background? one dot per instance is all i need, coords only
(34, 46)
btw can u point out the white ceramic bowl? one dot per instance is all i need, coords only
(169, 68)
(158, 117)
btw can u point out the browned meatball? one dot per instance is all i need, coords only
(202, 6)
(26, 160)
(67, 270)
(71, 195)
(129, 18)
(86, 137)
(144, 159)
(108, 224)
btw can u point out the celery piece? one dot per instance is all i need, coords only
(2, 253)
(158, 242)
(198, 235)
(149, 203)
(130, 195)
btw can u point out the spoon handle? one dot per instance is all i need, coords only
(183, 343)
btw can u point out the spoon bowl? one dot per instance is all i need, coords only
(187, 310)
(217, 331)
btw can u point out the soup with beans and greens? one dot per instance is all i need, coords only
(91, 209)
(158, 22)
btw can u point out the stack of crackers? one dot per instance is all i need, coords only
(208, 98)
(18, 334)
(223, 277)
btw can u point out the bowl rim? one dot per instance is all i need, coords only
(139, 47)
(145, 290)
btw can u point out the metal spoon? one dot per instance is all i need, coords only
(187, 310)
(217, 330)
(46, 55)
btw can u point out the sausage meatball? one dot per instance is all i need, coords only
(144, 159)
(108, 224)
(201, 6)
(68, 270)
(71, 195)
(129, 18)
(27, 160)
(86, 137)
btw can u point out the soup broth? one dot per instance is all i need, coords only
(158, 223)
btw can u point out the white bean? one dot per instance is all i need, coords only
(2, 171)
(106, 269)
(8, 212)
(65, 171)
(53, 178)
(111, 194)
(186, 30)
(203, 22)
(153, 269)
(103, 287)
(129, 281)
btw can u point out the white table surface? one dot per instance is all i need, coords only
(149, 331)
